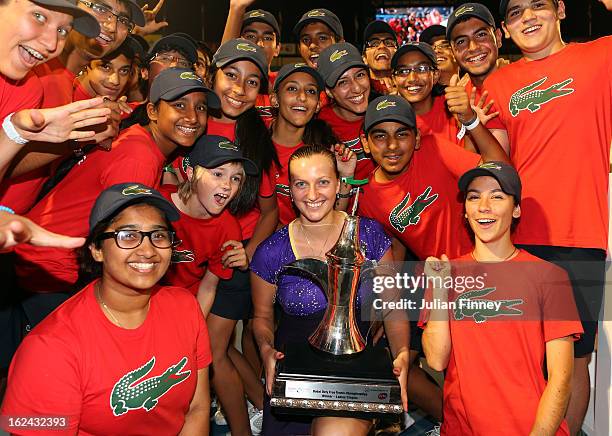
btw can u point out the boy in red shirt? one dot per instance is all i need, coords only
(379, 46)
(536, 96)
(317, 30)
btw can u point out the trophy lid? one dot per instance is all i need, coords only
(348, 248)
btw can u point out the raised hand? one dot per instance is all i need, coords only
(482, 109)
(235, 257)
(435, 267)
(61, 123)
(345, 159)
(457, 99)
(151, 25)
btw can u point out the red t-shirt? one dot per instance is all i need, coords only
(56, 81)
(439, 121)
(348, 132)
(422, 207)
(558, 115)
(19, 193)
(379, 86)
(494, 123)
(494, 377)
(134, 157)
(200, 247)
(286, 213)
(263, 105)
(107, 380)
(79, 92)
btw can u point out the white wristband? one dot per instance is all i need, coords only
(11, 132)
(473, 124)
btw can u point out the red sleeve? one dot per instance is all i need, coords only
(267, 185)
(559, 313)
(495, 123)
(44, 380)
(228, 230)
(203, 354)
(456, 159)
(132, 169)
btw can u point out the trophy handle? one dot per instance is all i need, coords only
(314, 268)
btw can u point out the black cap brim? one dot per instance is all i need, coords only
(137, 15)
(466, 179)
(212, 101)
(303, 69)
(179, 42)
(250, 168)
(391, 117)
(168, 209)
(263, 68)
(84, 23)
(407, 48)
(332, 79)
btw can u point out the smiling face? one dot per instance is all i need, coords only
(444, 55)
(263, 35)
(215, 188)
(112, 33)
(535, 26)
(237, 86)
(379, 56)
(391, 145)
(489, 210)
(415, 86)
(475, 45)
(108, 77)
(297, 98)
(313, 185)
(137, 269)
(314, 38)
(30, 35)
(178, 123)
(351, 93)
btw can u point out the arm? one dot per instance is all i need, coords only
(436, 336)
(266, 224)
(347, 162)
(398, 249)
(263, 294)
(233, 25)
(197, 420)
(207, 291)
(554, 400)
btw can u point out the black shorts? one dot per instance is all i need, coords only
(586, 268)
(233, 296)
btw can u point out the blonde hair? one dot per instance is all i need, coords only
(189, 187)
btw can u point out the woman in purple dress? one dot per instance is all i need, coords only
(313, 182)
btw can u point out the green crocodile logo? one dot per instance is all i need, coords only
(356, 147)
(226, 145)
(463, 9)
(384, 105)
(136, 190)
(404, 215)
(256, 14)
(127, 395)
(299, 65)
(490, 166)
(188, 75)
(182, 256)
(531, 99)
(282, 190)
(185, 164)
(316, 13)
(337, 55)
(470, 305)
(245, 47)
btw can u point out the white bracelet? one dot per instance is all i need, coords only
(11, 132)
(473, 124)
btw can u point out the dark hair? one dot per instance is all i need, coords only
(318, 132)
(253, 137)
(90, 269)
(124, 49)
(313, 150)
(204, 48)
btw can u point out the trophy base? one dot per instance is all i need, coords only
(310, 382)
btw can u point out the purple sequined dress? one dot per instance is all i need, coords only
(303, 303)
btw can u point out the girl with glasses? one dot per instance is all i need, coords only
(125, 354)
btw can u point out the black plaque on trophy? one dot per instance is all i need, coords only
(334, 373)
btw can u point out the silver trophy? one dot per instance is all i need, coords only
(338, 375)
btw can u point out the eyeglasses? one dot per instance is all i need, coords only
(128, 239)
(375, 42)
(419, 69)
(441, 45)
(105, 12)
(168, 59)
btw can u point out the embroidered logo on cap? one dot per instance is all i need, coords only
(316, 13)
(384, 105)
(490, 166)
(136, 190)
(338, 54)
(227, 146)
(462, 10)
(188, 75)
(256, 14)
(299, 64)
(245, 47)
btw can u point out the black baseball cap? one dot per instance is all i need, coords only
(432, 32)
(389, 108)
(117, 197)
(239, 49)
(172, 83)
(176, 41)
(135, 46)
(83, 22)
(336, 59)
(136, 14)
(325, 16)
(288, 69)
(505, 174)
(377, 26)
(211, 151)
(259, 15)
(423, 47)
(469, 10)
